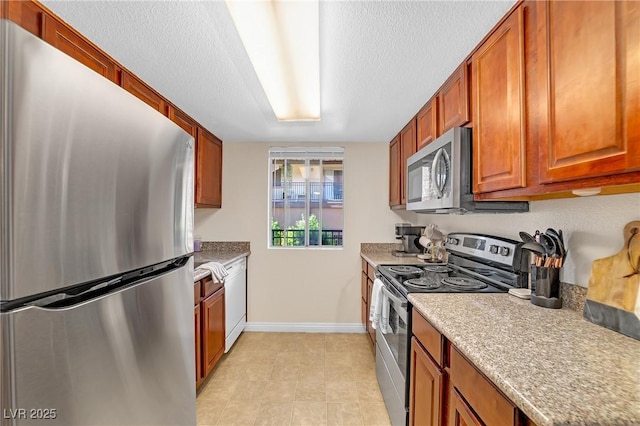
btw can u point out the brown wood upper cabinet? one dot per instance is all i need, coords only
(37, 19)
(498, 108)
(184, 121)
(407, 148)
(208, 170)
(453, 100)
(143, 92)
(427, 123)
(394, 172)
(27, 14)
(68, 41)
(589, 82)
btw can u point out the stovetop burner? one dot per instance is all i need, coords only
(404, 270)
(463, 283)
(423, 283)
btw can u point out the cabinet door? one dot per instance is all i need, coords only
(498, 104)
(143, 92)
(425, 388)
(589, 73)
(197, 318)
(365, 301)
(370, 329)
(27, 14)
(427, 123)
(208, 173)
(407, 149)
(394, 172)
(68, 41)
(213, 329)
(363, 286)
(184, 121)
(453, 99)
(460, 414)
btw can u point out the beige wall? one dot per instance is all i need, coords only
(323, 286)
(302, 286)
(592, 227)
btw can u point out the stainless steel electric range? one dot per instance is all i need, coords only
(476, 264)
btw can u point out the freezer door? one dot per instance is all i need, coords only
(126, 358)
(93, 181)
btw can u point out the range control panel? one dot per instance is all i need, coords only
(495, 249)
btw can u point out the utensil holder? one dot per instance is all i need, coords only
(545, 287)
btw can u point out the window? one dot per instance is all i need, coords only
(305, 197)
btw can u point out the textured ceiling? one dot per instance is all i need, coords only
(380, 61)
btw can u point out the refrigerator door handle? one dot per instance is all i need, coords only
(87, 292)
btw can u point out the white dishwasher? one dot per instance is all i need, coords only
(235, 301)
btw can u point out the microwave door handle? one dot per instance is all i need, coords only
(434, 173)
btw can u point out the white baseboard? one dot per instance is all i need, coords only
(304, 327)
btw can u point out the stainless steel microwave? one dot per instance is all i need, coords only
(439, 178)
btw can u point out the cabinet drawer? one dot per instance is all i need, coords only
(428, 336)
(209, 286)
(371, 272)
(487, 401)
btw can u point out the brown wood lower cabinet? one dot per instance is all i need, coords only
(426, 386)
(209, 327)
(366, 287)
(460, 414)
(452, 387)
(212, 329)
(370, 330)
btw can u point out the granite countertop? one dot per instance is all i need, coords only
(382, 253)
(558, 368)
(386, 258)
(221, 252)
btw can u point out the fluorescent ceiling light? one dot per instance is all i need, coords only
(283, 43)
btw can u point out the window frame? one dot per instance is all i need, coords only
(308, 155)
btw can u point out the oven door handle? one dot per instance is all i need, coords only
(403, 303)
(402, 311)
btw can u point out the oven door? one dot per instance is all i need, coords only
(391, 355)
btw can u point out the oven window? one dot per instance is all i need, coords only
(397, 337)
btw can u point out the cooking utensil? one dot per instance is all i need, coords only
(535, 248)
(526, 237)
(560, 252)
(550, 248)
(561, 249)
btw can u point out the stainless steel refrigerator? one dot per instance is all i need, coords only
(96, 289)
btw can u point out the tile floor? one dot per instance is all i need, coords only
(300, 379)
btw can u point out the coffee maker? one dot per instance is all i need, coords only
(409, 235)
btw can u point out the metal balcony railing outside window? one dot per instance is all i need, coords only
(296, 191)
(295, 237)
